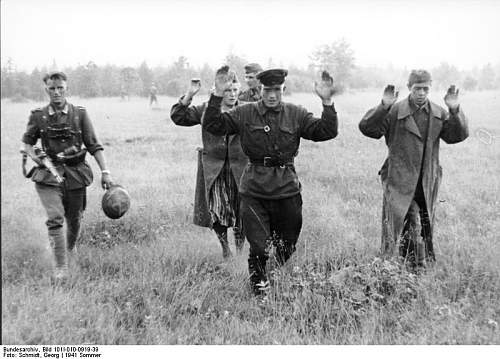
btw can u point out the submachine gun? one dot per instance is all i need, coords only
(40, 157)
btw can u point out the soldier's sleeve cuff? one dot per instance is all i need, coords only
(182, 98)
(328, 108)
(92, 150)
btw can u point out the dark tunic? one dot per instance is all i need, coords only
(274, 133)
(250, 95)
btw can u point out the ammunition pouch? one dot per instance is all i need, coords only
(59, 132)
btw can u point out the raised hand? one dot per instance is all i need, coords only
(194, 87)
(390, 96)
(325, 88)
(223, 80)
(451, 98)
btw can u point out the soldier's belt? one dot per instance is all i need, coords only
(71, 160)
(272, 161)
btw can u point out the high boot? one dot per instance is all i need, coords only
(58, 245)
(239, 239)
(257, 271)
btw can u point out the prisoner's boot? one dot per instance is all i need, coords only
(226, 251)
(258, 278)
(239, 239)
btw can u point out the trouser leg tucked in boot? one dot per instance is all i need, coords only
(262, 217)
(52, 200)
(258, 277)
(416, 245)
(221, 232)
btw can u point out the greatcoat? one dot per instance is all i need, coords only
(406, 158)
(211, 158)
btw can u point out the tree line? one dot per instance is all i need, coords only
(92, 80)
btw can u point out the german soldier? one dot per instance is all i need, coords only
(411, 174)
(220, 165)
(252, 93)
(270, 131)
(63, 129)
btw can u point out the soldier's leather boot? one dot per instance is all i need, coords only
(239, 239)
(257, 271)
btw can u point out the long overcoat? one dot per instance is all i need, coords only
(406, 158)
(211, 158)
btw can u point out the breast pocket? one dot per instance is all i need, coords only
(256, 135)
(288, 139)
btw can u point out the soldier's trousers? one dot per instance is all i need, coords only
(62, 204)
(416, 246)
(264, 220)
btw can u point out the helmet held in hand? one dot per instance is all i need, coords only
(115, 202)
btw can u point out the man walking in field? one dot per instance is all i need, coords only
(252, 93)
(63, 129)
(411, 174)
(153, 90)
(220, 165)
(270, 131)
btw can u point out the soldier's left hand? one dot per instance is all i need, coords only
(106, 181)
(325, 88)
(451, 98)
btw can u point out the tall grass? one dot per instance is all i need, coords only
(154, 278)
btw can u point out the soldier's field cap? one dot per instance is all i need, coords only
(419, 76)
(252, 68)
(55, 75)
(272, 77)
(115, 202)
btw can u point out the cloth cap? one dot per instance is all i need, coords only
(272, 77)
(115, 202)
(418, 76)
(252, 68)
(55, 75)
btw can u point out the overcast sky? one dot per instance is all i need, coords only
(405, 33)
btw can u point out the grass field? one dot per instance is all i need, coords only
(154, 278)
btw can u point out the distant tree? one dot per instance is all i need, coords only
(8, 79)
(130, 80)
(237, 64)
(36, 85)
(146, 76)
(445, 75)
(487, 78)
(470, 83)
(85, 80)
(337, 58)
(109, 78)
(207, 75)
(174, 88)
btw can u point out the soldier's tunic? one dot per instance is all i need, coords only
(411, 174)
(250, 95)
(59, 131)
(220, 166)
(271, 201)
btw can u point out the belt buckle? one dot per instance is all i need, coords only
(267, 162)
